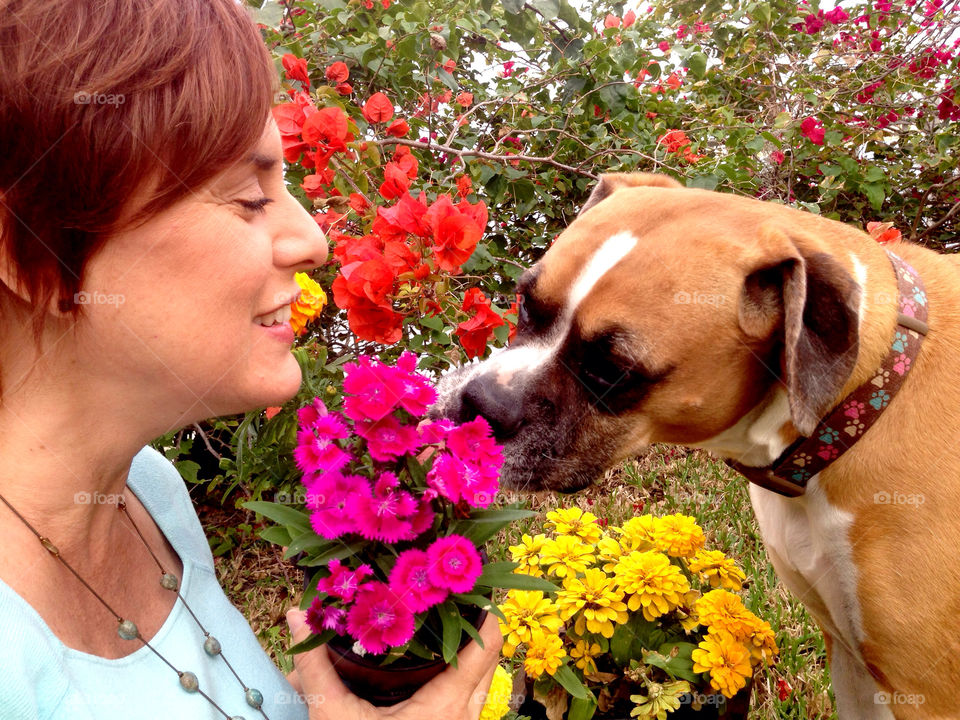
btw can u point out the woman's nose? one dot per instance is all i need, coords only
(299, 241)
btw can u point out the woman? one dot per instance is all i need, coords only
(148, 247)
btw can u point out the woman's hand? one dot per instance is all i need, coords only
(455, 694)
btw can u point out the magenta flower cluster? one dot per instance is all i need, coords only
(357, 484)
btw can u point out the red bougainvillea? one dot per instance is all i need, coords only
(475, 332)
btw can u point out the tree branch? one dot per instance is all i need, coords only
(482, 155)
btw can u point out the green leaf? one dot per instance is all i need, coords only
(501, 575)
(314, 641)
(875, 195)
(450, 619)
(761, 13)
(338, 552)
(513, 6)
(269, 14)
(308, 540)
(434, 322)
(484, 524)
(481, 601)
(276, 535)
(697, 63)
(468, 627)
(549, 8)
(705, 182)
(570, 682)
(581, 709)
(280, 514)
(782, 120)
(675, 659)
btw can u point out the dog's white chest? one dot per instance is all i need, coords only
(809, 543)
(810, 540)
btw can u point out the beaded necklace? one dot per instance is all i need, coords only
(128, 630)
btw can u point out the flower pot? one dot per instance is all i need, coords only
(387, 684)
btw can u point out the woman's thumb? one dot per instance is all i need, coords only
(318, 678)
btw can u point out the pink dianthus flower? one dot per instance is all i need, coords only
(327, 497)
(454, 563)
(387, 439)
(410, 579)
(322, 617)
(385, 513)
(379, 619)
(343, 583)
(373, 390)
(315, 454)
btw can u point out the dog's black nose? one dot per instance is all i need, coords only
(499, 405)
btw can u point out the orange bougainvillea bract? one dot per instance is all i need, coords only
(378, 108)
(475, 332)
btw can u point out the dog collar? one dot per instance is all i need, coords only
(853, 416)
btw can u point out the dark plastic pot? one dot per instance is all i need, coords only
(387, 684)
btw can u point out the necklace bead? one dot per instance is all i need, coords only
(254, 698)
(189, 682)
(128, 630)
(211, 646)
(170, 582)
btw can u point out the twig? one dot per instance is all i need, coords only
(482, 155)
(206, 441)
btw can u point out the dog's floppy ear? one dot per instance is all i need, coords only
(800, 292)
(611, 182)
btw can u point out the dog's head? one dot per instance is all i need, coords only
(661, 314)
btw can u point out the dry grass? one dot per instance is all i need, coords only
(665, 480)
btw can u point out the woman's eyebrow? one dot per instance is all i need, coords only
(264, 163)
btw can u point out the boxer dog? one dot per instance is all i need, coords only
(672, 315)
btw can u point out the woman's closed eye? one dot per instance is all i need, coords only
(256, 205)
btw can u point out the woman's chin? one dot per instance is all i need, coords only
(274, 387)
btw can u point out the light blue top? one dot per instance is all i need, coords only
(41, 678)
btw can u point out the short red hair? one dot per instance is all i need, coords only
(103, 100)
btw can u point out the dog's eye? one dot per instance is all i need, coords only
(523, 312)
(602, 375)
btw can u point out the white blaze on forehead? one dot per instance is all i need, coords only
(531, 356)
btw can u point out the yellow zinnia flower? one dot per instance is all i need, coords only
(679, 535)
(566, 555)
(544, 654)
(652, 582)
(761, 642)
(527, 553)
(608, 552)
(718, 569)
(584, 653)
(526, 612)
(639, 533)
(595, 600)
(308, 305)
(722, 610)
(498, 696)
(727, 661)
(689, 620)
(576, 522)
(660, 700)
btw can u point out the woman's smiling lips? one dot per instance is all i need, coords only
(277, 324)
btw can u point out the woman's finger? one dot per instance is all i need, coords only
(465, 687)
(320, 686)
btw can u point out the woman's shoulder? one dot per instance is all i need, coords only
(33, 683)
(158, 485)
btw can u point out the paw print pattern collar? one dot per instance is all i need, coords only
(849, 420)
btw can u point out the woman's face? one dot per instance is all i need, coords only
(177, 308)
